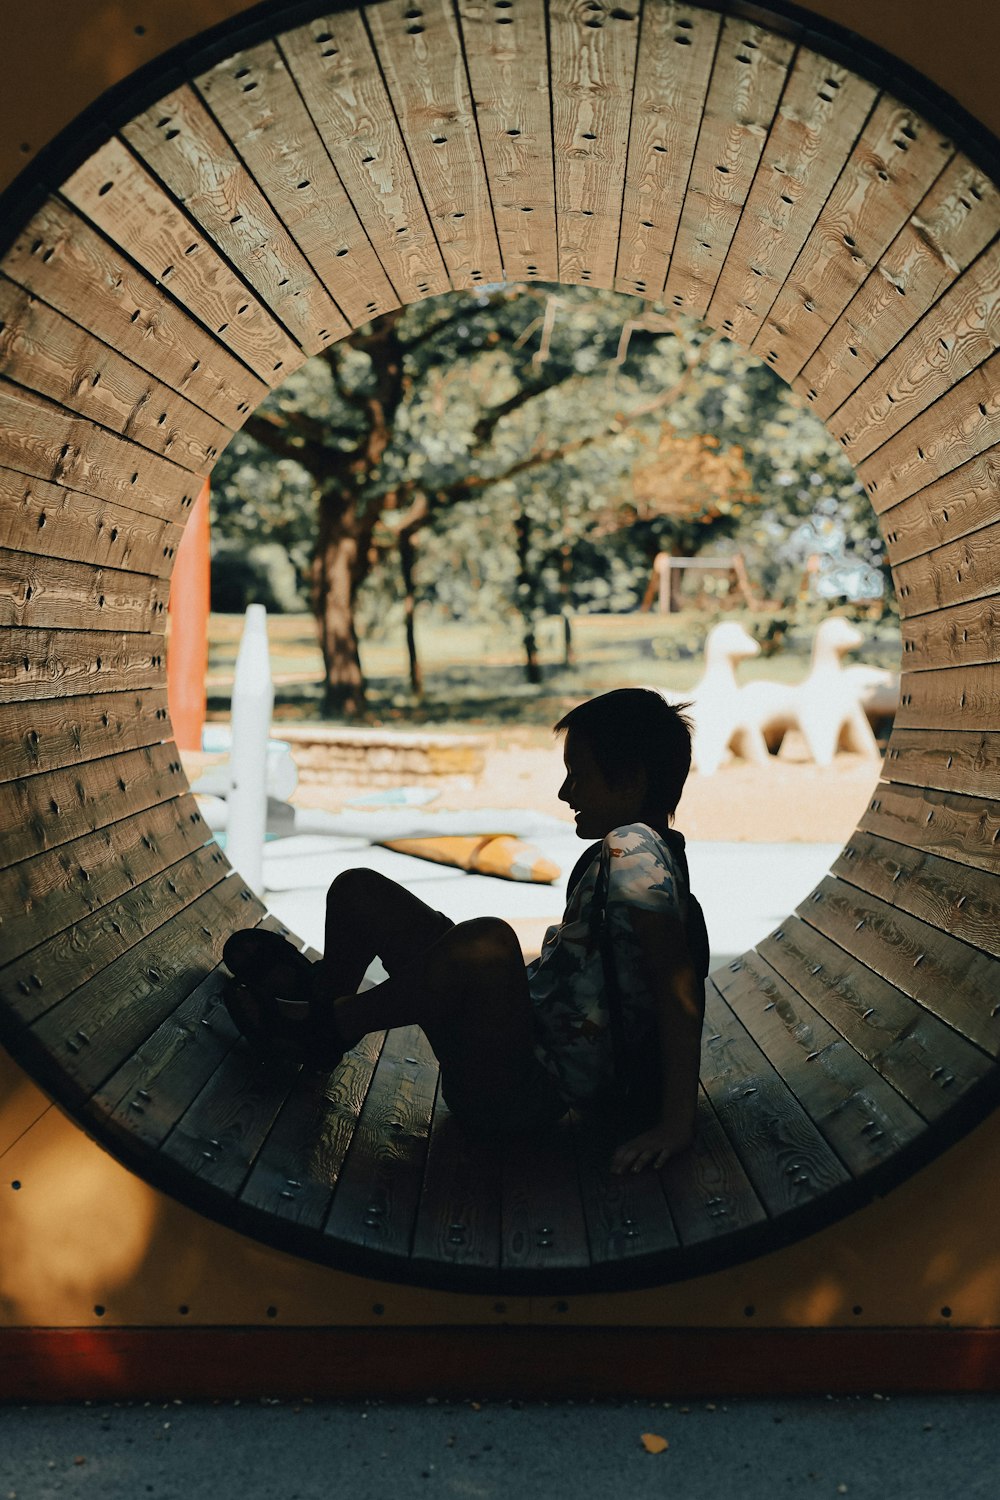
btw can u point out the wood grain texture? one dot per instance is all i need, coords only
(49, 592)
(52, 521)
(964, 828)
(378, 1191)
(821, 113)
(627, 1215)
(93, 1030)
(959, 333)
(963, 635)
(861, 1115)
(49, 892)
(254, 99)
(45, 352)
(592, 61)
(959, 698)
(42, 440)
(707, 1189)
(953, 762)
(42, 811)
(924, 1059)
(334, 68)
(60, 258)
(954, 573)
(955, 981)
(888, 173)
(458, 1220)
(125, 201)
(951, 226)
(960, 503)
(42, 976)
(63, 732)
(749, 74)
(955, 897)
(962, 423)
(783, 1153)
(296, 1170)
(544, 1227)
(421, 60)
(181, 143)
(506, 52)
(677, 45)
(43, 664)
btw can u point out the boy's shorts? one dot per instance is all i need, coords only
(530, 1109)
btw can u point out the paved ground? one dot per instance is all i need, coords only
(907, 1448)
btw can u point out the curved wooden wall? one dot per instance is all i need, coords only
(284, 191)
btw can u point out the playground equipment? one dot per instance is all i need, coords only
(717, 702)
(185, 246)
(827, 708)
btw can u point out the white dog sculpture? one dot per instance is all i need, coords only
(826, 707)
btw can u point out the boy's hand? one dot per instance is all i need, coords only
(653, 1148)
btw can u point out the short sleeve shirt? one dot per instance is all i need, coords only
(566, 981)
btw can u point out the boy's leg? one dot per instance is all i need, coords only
(369, 916)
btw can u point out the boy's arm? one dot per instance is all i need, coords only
(679, 999)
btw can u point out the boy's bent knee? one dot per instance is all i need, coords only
(487, 940)
(356, 887)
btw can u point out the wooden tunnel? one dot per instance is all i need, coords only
(237, 209)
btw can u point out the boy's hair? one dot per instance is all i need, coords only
(636, 729)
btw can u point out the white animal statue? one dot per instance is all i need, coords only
(826, 707)
(716, 704)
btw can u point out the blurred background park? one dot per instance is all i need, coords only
(475, 511)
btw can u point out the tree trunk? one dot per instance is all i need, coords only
(407, 554)
(336, 575)
(526, 596)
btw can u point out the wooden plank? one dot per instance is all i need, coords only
(926, 1061)
(41, 977)
(506, 51)
(59, 257)
(627, 1216)
(709, 1193)
(961, 761)
(52, 521)
(220, 1134)
(40, 439)
(40, 812)
(951, 226)
(958, 898)
(895, 161)
(458, 1220)
(42, 895)
(861, 1115)
(378, 1192)
(334, 68)
(749, 74)
(49, 592)
(954, 573)
(90, 1033)
(543, 1226)
(676, 51)
(783, 1153)
(123, 200)
(954, 698)
(38, 664)
(47, 353)
(297, 1168)
(822, 111)
(959, 333)
(960, 636)
(955, 981)
(592, 59)
(963, 828)
(961, 502)
(421, 60)
(68, 732)
(255, 101)
(963, 422)
(180, 142)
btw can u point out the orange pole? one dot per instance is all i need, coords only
(187, 642)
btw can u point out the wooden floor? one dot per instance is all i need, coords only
(199, 237)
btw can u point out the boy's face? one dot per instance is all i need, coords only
(599, 805)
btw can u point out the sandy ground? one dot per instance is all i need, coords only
(788, 800)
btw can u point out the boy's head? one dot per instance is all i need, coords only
(640, 747)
